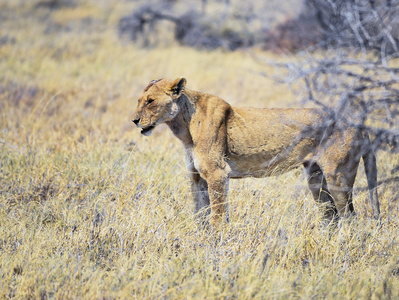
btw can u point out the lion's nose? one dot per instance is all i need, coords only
(136, 121)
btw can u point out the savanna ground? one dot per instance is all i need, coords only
(91, 209)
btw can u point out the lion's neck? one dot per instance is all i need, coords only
(180, 125)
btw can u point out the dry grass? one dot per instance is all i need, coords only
(90, 209)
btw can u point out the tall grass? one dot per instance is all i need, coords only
(91, 209)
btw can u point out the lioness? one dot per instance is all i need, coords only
(223, 142)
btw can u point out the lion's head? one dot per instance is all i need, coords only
(158, 104)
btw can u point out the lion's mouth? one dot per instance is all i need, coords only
(147, 131)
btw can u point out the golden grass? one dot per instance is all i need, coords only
(90, 209)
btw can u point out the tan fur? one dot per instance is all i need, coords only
(223, 142)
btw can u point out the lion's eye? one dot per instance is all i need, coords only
(150, 101)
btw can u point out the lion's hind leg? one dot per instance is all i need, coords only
(340, 161)
(370, 167)
(318, 186)
(340, 182)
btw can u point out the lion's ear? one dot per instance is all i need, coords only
(178, 86)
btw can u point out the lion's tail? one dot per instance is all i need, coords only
(370, 166)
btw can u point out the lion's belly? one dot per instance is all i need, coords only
(266, 142)
(262, 157)
(258, 166)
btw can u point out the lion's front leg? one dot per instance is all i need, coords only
(218, 184)
(209, 187)
(208, 156)
(210, 197)
(199, 190)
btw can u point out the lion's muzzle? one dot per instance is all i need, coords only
(144, 130)
(148, 130)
